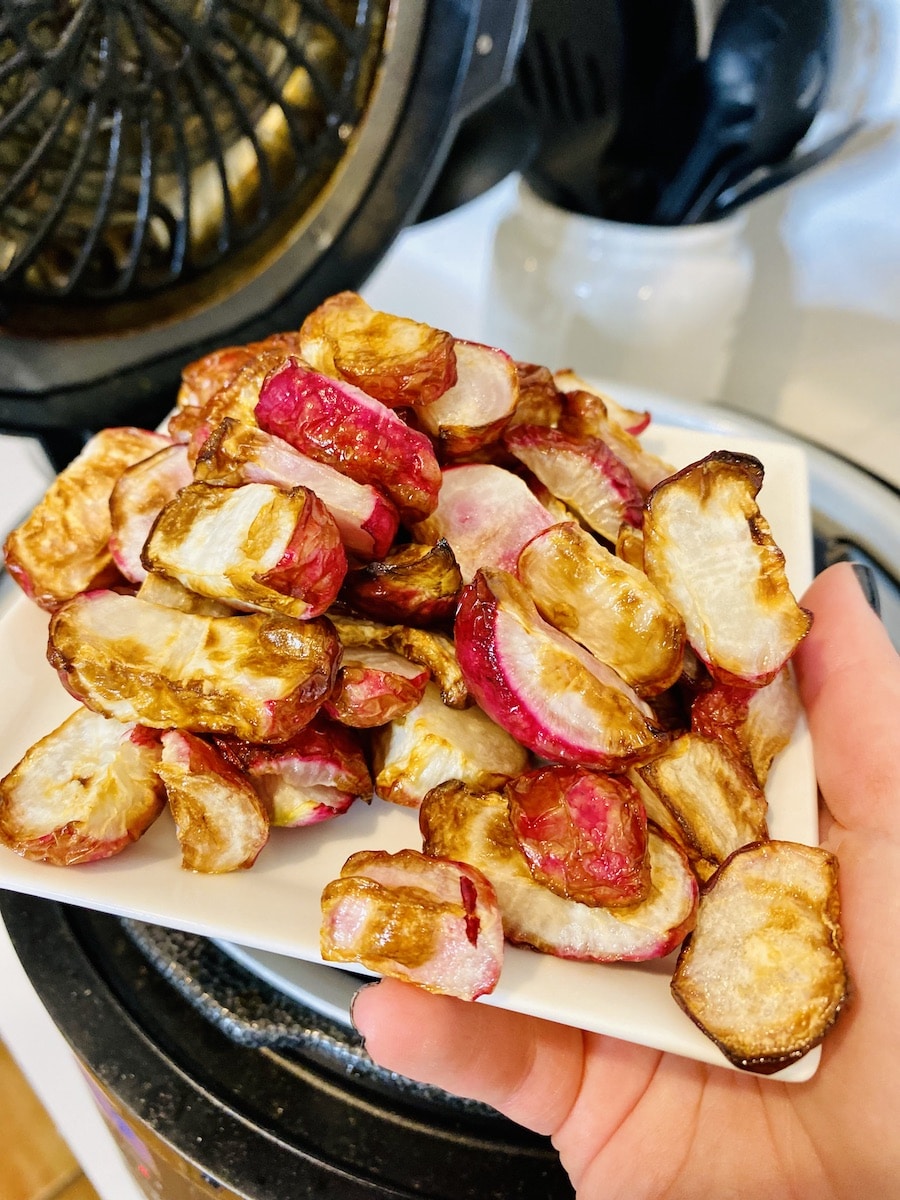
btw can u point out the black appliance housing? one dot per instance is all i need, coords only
(215, 1084)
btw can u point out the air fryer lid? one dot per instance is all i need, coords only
(180, 174)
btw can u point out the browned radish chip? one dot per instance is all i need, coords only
(772, 714)
(202, 378)
(714, 799)
(433, 743)
(159, 589)
(583, 833)
(629, 419)
(260, 677)
(254, 546)
(84, 792)
(354, 630)
(763, 972)
(630, 546)
(710, 551)
(437, 652)
(237, 399)
(582, 472)
(139, 496)
(375, 686)
(585, 414)
(314, 776)
(755, 723)
(220, 821)
(608, 606)
(474, 411)
(459, 823)
(487, 514)
(393, 359)
(236, 453)
(338, 424)
(430, 922)
(417, 584)
(543, 688)
(62, 548)
(540, 402)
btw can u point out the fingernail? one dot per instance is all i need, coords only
(354, 998)
(867, 580)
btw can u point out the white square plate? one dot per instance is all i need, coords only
(275, 905)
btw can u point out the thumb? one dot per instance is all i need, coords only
(849, 678)
(527, 1068)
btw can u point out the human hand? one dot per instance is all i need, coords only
(632, 1123)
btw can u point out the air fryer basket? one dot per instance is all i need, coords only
(179, 174)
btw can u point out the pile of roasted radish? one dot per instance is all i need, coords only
(367, 558)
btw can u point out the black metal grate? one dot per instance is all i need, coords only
(143, 142)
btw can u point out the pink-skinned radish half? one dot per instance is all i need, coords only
(474, 828)
(541, 686)
(337, 423)
(583, 833)
(486, 514)
(428, 921)
(583, 473)
(236, 453)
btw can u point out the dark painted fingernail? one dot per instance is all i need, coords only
(353, 1000)
(868, 582)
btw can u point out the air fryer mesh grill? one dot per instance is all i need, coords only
(142, 142)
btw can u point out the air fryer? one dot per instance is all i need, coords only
(183, 174)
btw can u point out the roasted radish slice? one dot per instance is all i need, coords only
(772, 714)
(543, 688)
(487, 514)
(159, 589)
(755, 723)
(539, 402)
(220, 821)
(84, 792)
(63, 547)
(630, 546)
(582, 472)
(236, 453)
(336, 423)
(417, 585)
(709, 550)
(584, 834)
(423, 920)
(375, 686)
(236, 400)
(586, 414)
(314, 776)
(397, 361)
(633, 421)
(474, 412)
(254, 546)
(437, 652)
(354, 630)
(141, 493)
(433, 743)
(260, 677)
(714, 799)
(763, 972)
(608, 606)
(202, 378)
(459, 823)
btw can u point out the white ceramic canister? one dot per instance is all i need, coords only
(653, 306)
